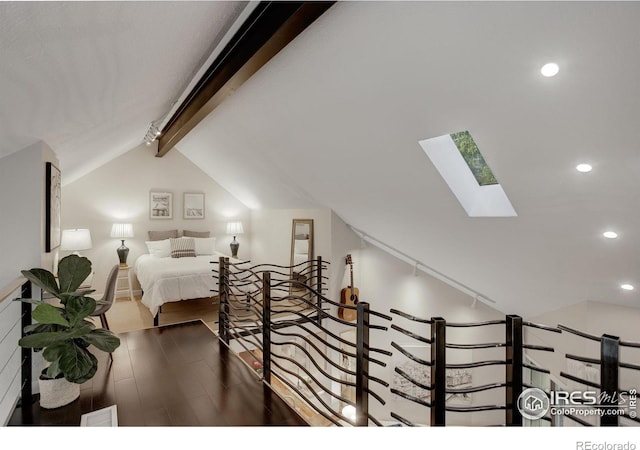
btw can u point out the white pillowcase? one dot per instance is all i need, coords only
(205, 246)
(159, 249)
(162, 249)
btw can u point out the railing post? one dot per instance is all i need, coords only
(513, 374)
(266, 326)
(609, 360)
(438, 371)
(223, 311)
(26, 353)
(362, 365)
(319, 289)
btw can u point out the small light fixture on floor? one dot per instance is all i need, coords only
(121, 231)
(234, 228)
(349, 412)
(76, 240)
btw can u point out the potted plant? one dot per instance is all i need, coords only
(63, 333)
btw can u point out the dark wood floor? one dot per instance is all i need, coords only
(174, 375)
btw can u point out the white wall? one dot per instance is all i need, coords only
(271, 234)
(386, 283)
(119, 192)
(22, 202)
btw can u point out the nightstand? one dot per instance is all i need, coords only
(123, 283)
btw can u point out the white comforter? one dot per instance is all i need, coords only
(173, 279)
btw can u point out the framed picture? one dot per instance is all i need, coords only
(419, 372)
(160, 205)
(193, 205)
(456, 378)
(53, 195)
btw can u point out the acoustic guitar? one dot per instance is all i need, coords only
(349, 297)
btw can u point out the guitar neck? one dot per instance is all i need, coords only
(351, 270)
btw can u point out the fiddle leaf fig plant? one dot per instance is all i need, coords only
(64, 333)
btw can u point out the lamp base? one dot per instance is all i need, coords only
(234, 248)
(123, 252)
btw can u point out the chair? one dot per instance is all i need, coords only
(105, 303)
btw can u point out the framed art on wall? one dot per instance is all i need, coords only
(52, 206)
(193, 205)
(160, 205)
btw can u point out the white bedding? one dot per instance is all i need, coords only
(169, 279)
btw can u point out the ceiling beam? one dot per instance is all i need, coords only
(269, 28)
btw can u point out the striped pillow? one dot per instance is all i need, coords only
(183, 247)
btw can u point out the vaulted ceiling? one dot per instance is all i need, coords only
(335, 118)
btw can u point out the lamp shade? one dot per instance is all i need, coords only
(234, 228)
(76, 239)
(122, 230)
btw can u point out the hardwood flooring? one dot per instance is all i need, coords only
(173, 375)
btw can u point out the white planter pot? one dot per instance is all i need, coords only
(58, 392)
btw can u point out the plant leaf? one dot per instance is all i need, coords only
(77, 363)
(41, 328)
(46, 313)
(103, 340)
(52, 352)
(72, 271)
(54, 369)
(81, 331)
(78, 308)
(43, 279)
(43, 340)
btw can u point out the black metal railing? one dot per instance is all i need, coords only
(614, 401)
(441, 379)
(279, 318)
(26, 361)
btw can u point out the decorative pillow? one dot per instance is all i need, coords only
(159, 249)
(205, 246)
(183, 247)
(196, 234)
(161, 235)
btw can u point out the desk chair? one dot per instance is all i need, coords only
(105, 303)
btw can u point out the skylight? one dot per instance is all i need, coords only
(460, 163)
(472, 156)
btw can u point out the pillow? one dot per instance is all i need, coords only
(161, 235)
(205, 246)
(196, 234)
(183, 248)
(159, 249)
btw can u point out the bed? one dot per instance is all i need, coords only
(176, 269)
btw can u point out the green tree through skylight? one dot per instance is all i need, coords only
(472, 156)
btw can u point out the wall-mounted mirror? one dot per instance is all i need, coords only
(301, 249)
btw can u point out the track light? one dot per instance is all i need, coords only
(152, 133)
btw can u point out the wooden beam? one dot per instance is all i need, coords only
(269, 28)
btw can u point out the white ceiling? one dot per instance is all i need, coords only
(334, 120)
(88, 78)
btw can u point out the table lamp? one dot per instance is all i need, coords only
(75, 240)
(234, 228)
(121, 231)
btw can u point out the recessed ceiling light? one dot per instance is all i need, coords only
(610, 234)
(549, 69)
(626, 287)
(584, 168)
